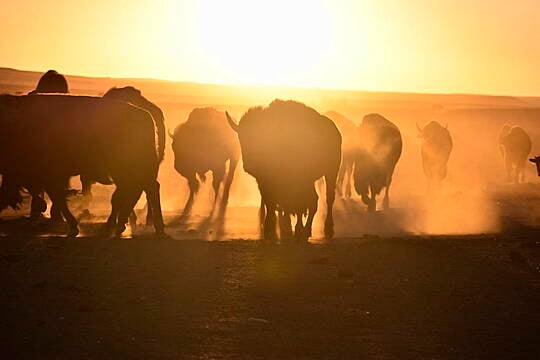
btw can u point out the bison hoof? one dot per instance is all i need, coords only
(120, 230)
(329, 232)
(160, 230)
(73, 232)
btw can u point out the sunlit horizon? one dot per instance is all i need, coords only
(346, 45)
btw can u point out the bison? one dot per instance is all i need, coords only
(536, 161)
(133, 96)
(515, 147)
(436, 148)
(348, 130)
(378, 149)
(205, 143)
(51, 82)
(286, 147)
(64, 136)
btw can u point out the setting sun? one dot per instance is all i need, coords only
(258, 43)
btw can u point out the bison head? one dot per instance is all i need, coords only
(126, 93)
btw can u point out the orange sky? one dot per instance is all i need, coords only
(463, 46)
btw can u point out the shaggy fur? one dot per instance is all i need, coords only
(436, 148)
(379, 146)
(66, 135)
(348, 130)
(205, 143)
(287, 146)
(515, 146)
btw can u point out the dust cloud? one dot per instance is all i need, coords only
(468, 201)
(474, 198)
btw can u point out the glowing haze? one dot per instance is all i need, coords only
(485, 46)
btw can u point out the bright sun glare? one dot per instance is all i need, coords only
(264, 43)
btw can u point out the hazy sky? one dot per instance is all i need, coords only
(465, 46)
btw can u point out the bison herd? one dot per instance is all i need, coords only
(119, 138)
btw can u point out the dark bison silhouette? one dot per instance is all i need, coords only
(436, 148)
(51, 82)
(515, 147)
(205, 142)
(286, 147)
(65, 136)
(536, 160)
(378, 150)
(133, 96)
(348, 134)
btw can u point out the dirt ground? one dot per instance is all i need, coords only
(373, 297)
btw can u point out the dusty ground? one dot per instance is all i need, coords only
(375, 297)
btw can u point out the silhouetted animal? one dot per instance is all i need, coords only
(66, 135)
(436, 148)
(348, 134)
(133, 96)
(51, 82)
(287, 146)
(378, 150)
(205, 142)
(515, 147)
(536, 161)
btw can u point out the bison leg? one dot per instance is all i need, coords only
(520, 174)
(341, 179)
(386, 200)
(154, 203)
(348, 180)
(233, 162)
(285, 227)
(132, 219)
(149, 212)
(330, 180)
(115, 208)
(299, 230)
(127, 203)
(38, 205)
(508, 166)
(372, 202)
(86, 185)
(193, 189)
(270, 224)
(269, 229)
(56, 213)
(262, 217)
(218, 174)
(311, 215)
(58, 197)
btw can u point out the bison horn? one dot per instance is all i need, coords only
(232, 124)
(170, 134)
(418, 128)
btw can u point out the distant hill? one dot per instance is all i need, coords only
(20, 81)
